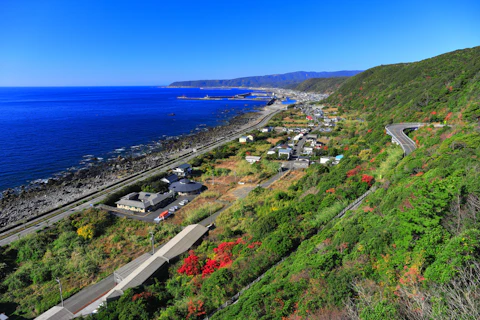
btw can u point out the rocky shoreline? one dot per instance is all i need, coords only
(29, 201)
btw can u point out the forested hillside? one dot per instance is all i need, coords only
(321, 85)
(286, 80)
(417, 91)
(410, 250)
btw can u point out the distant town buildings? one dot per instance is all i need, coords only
(245, 139)
(252, 159)
(183, 170)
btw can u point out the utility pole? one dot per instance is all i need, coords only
(152, 238)
(60, 287)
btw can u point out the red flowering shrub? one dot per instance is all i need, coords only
(254, 244)
(210, 267)
(196, 310)
(433, 112)
(367, 179)
(191, 266)
(354, 171)
(331, 190)
(143, 295)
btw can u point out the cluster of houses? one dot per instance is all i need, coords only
(149, 201)
(304, 151)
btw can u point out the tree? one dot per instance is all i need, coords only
(86, 232)
(191, 266)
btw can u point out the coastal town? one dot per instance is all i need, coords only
(217, 160)
(295, 137)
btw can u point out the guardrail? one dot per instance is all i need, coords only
(404, 125)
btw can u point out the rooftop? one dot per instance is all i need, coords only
(185, 185)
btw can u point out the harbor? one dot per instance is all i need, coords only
(249, 96)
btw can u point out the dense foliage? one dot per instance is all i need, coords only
(321, 85)
(408, 251)
(80, 250)
(419, 91)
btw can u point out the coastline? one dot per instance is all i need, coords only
(32, 201)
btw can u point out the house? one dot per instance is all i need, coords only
(311, 138)
(271, 151)
(337, 159)
(298, 137)
(307, 150)
(266, 129)
(309, 118)
(302, 158)
(3, 316)
(183, 170)
(301, 163)
(170, 179)
(186, 187)
(144, 201)
(285, 152)
(319, 145)
(325, 160)
(245, 139)
(252, 159)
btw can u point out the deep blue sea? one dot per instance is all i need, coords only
(44, 131)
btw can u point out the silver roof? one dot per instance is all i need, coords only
(55, 313)
(185, 185)
(179, 244)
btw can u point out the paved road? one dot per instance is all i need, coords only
(45, 221)
(396, 130)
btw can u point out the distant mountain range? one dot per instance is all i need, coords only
(286, 80)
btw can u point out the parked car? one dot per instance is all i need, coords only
(183, 202)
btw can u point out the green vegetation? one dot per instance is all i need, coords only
(79, 250)
(321, 85)
(422, 91)
(198, 214)
(409, 251)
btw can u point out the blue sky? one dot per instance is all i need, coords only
(86, 42)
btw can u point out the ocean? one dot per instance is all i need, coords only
(44, 131)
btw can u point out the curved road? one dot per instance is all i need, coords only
(396, 130)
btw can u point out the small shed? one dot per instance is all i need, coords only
(287, 152)
(252, 159)
(170, 179)
(183, 170)
(324, 160)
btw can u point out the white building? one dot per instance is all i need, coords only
(252, 159)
